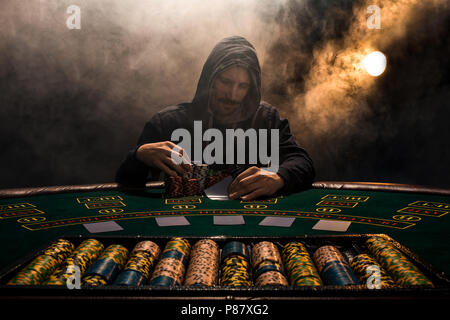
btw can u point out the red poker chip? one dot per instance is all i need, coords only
(190, 187)
(175, 186)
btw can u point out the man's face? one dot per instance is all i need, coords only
(229, 90)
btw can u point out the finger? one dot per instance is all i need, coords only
(174, 154)
(243, 175)
(178, 168)
(166, 169)
(254, 194)
(254, 178)
(241, 190)
(185, 156)
(186, 161)
(180, 157)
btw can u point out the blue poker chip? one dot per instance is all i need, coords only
(177, 255)
(130, 278)
(338, 274)
(106, 268)
(235, 248)
(162, 281)
(174, 254)
(268, 266)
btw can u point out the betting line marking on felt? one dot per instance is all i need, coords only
(287, 213)
(424, 212)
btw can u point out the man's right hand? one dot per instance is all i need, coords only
(158, 155)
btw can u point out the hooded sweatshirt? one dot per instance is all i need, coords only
(295, 166)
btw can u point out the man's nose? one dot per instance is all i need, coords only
(234, 93)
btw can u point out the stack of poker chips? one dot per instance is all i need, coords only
(235, 267)
(38, 270)
(174, 186)
(363, 265)
(396, 264)
(203, 267)
(108, 265)
(268, 266)
(171, 268)
(83, 256)
(193, 182)
(300, 267)
(333, 267)
(200, 172)
(142, 260)
(190, 184)
(214, 177)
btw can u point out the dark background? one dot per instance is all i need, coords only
(73, 102)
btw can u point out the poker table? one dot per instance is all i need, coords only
(416, 217)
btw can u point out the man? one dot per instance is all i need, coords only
(228, 96)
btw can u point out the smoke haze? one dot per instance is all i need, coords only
(73, 102)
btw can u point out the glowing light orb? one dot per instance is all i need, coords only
(375, 63)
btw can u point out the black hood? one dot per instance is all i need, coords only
(231, 51)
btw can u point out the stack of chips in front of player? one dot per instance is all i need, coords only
(38, 270)
(267, 264)
(140, 264)
(300, 267)
(235, 267)
(193, 182)
(214, 176)
(333, 267)
(82, 257)
(171, 268)
(396, 264)
(203, 267)
(106, 268)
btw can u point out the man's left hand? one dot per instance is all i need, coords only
(255, 182)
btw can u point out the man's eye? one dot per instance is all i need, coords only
(244, 86)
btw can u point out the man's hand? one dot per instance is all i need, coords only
(255, 182)
(158, 155)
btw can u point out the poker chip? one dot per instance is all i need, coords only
(94, 280)
(200, 172)
(190, 187)
(235, 271)
(265, 251)
(214, 177)
(396, 264)
(179, 244)
(137, 270)
(164, 280)
(148, 246)
(41, 267)
(333, 267)
(36, 271)
(204, 264)
(82, 257)
(271, 278)
(140, 264)
(193, 182)
(59, 249)
(268, 265)
(171, 268)
(109, 264)
(360, 265)
(236, 248)
(174, 186)
(235, 267)
(130, 278)
(299, 265)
